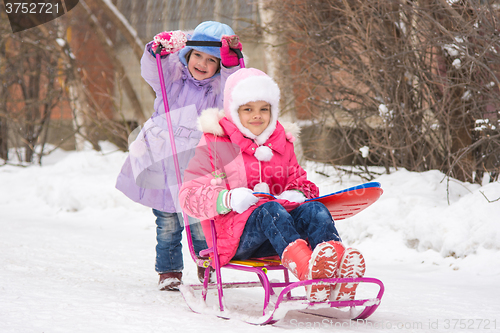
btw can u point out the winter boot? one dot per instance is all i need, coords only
(170, 281)
(323, 265)
(201, 274)
(296, 258)
(339, 250)
(352, 264)
(306, 264)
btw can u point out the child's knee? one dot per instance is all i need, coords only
(319, 209)
(273, 207)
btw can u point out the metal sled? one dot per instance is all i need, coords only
(275, 304)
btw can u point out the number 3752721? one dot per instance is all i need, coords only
(31, 8)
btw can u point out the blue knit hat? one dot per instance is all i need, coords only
(210, 31)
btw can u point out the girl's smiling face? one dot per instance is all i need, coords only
(202, 65)
(255, 116)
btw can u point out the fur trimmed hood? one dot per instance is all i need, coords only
(208, 121)
(251, 85)
(243, 86)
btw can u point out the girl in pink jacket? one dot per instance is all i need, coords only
(245, 152)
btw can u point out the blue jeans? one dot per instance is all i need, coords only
(270, 228)
(169, 236)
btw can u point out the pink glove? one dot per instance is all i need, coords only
(228, 57)
(172, 41)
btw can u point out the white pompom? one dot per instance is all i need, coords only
(264, 153)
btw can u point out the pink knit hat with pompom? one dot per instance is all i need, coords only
(251, 85)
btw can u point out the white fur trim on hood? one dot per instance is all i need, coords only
(208, 121)
(292, 131)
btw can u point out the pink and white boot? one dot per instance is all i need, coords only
(296, 258)
(306, 265)
(351, 264)
(323, 265)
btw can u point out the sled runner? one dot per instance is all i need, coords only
(283, 296)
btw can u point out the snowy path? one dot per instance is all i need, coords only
(78, 275)
(90, 268)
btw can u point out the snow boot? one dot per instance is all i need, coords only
(339, 250)
(170, 281)
(306, 265)
(352, 264)
(201, 274)
(323, 265)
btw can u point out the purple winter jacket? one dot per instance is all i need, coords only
(148, 174)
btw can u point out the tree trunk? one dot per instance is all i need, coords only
(4, 148)
(121, 23)
(110, 50)
(76, 92)
(125, 28)
(277, 66)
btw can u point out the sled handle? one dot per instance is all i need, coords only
(217, 44)
(203, 43)
(173, 147)
(210, 44)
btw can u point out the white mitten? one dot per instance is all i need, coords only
(292, 196)
(241, 199)
(261, 187)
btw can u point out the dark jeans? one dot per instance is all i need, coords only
(270, 228)
(169, 228)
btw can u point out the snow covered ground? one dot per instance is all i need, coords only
(77, 256)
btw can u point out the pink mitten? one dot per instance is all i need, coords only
(172, 41)
(228, 57)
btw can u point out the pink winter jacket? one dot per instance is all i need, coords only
(232, 156)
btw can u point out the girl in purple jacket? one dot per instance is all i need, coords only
(194, 81)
